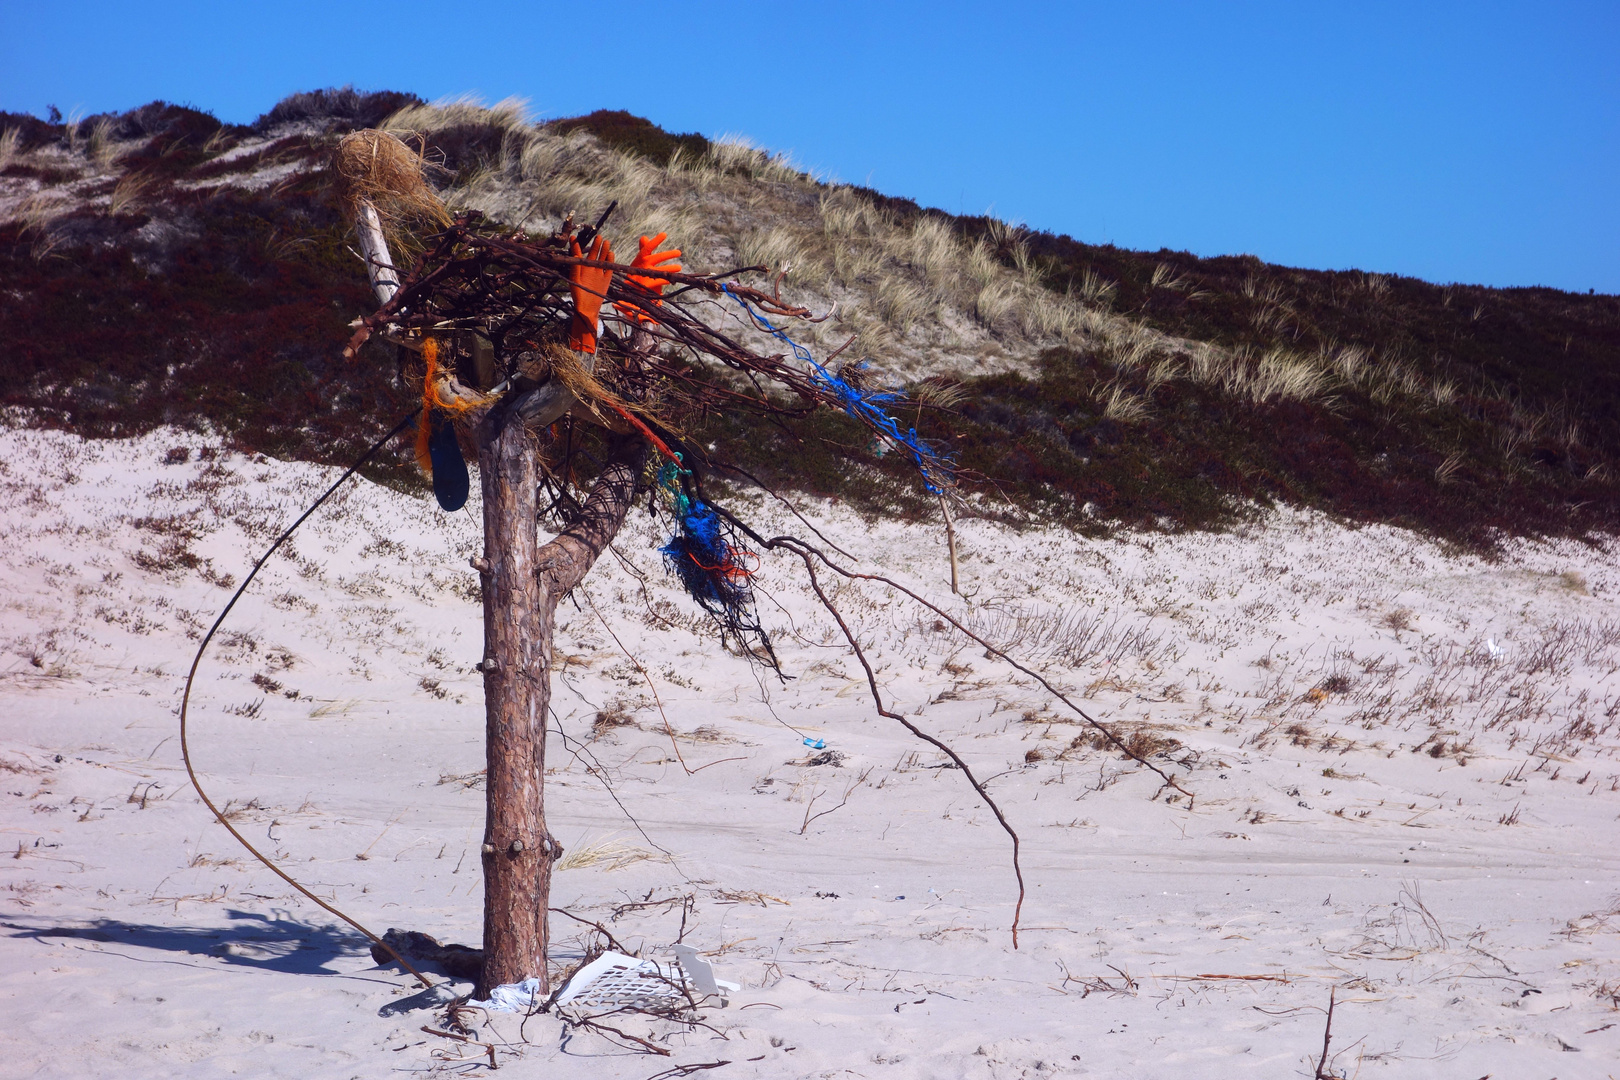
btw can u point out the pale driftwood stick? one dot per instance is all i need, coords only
(374, 247)
(950, 539)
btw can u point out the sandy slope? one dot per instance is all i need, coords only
(1462, 901)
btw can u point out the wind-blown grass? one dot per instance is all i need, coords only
(1096, 385)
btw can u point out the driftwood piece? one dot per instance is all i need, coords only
(457, 961)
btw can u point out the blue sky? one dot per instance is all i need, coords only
(1474, 142)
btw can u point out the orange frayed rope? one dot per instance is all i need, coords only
(433, 399)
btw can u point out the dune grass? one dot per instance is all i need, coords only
(1089, 383)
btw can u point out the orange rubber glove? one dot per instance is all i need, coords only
(588, 283)
(649, 256)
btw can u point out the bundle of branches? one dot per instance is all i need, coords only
(489, 310)
(514, 290)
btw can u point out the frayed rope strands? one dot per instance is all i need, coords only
(866, 406)
(185, 701)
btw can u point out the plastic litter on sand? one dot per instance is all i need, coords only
(513, 997)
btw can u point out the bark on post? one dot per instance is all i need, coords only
(522, 586)
(517, 654)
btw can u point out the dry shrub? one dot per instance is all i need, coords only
(1398, 620)
(614, 716)
(1609, 992)
(1144, 744)
(1141, 743)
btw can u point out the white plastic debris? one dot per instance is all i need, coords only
(1497, 652)
(616, 979)
(702, 975)
(512, 997)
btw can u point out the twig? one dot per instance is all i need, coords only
(1322, 1072)
(599, 771)
(686, 1070)
(598, 927)
(792, 509)
(1130, 983)
(488, 1047)
(808, 818)
(591, 1023)
(645, 678)
(191, 675)
(950, 539)
(804, 550)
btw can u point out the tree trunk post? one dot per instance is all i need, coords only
(517, 849)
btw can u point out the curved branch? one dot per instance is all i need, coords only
(877, 701)
(564, 562)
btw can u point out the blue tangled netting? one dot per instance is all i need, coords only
(868, 406)
(705, 556)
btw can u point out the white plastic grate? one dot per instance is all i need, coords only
(616, 979)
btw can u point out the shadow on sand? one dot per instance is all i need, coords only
(276, 942)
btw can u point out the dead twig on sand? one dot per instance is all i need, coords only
(488, 1048)
(1322, 1072)
(1098, 984)
(627, 1040)
(850, 790)
(687, 1070)
(683, 1011)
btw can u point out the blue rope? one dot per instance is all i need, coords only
(866, 406)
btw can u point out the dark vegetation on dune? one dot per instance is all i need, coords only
(226, 310)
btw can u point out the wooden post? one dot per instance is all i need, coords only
(522, 586)
(517, 849)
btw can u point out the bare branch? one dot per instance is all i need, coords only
(877, 700)
(803, 550)
(564, 562)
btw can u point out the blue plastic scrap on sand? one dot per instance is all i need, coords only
(815, 744)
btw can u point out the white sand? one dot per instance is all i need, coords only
(1159, 940)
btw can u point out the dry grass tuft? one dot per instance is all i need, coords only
(101, 147)
(376, 167)
(1575, 582)
(465, 111)
(1121, 404)
(128, 192)
(611, 854)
